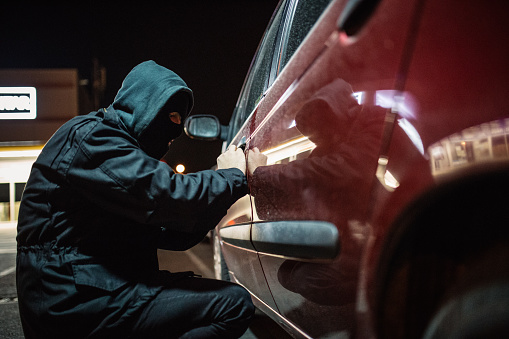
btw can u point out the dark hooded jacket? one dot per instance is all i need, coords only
(97, 206)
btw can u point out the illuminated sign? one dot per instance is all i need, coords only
(18, 103)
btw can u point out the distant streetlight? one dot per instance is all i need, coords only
(180, 168)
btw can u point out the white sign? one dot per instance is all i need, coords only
(18, 103)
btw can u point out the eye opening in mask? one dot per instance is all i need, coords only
(175, 118)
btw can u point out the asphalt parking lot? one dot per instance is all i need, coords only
(10, 325)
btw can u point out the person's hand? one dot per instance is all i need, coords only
(254, 159)
(232, 158)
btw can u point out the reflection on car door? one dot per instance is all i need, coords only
(323, 141)
(234, 230)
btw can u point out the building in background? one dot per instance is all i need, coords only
(34, 103)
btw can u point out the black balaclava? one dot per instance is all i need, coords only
(149, 93)
(155, 139)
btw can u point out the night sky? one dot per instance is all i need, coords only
(210, 44)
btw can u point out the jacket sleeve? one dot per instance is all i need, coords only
(109, 169)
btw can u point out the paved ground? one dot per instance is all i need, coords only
(198, 259)
(10, 325)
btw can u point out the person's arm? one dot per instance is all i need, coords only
(109, 170)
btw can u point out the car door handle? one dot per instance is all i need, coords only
(237, 235)
(301, 239)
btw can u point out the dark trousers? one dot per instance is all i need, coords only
(196, 308)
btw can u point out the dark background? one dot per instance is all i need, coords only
(210, 44)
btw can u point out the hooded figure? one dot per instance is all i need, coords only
(98, 205)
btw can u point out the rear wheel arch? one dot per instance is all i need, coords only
(450, 240)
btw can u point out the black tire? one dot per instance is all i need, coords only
(482, 312)
(220, 268)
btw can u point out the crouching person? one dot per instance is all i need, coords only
(98, 205)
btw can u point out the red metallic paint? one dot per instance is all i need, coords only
(443, 67)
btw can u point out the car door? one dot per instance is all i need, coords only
(323, 135)
(233, 232)
(272, 56)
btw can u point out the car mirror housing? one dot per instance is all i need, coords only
(205, 127)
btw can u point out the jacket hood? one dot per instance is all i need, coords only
(144, 92)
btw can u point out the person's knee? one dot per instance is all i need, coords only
(243, 298)
(239, 313)
(248, 303)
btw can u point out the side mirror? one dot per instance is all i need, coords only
(205, 127)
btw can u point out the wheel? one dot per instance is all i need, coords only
(448, 276)
(220, 268)
(477, 305)
(482, 312)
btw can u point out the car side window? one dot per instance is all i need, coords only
(292, 20)
(300, 20)
(261, 71)
(257, 80)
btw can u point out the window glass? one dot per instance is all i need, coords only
(19, 187)
(257, 80)
(4, 192)
(300, 16)
(4, 202)
(304, 16)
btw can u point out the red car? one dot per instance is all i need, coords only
(383, 209)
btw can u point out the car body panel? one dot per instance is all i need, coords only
(358, 130)
(454, 85)
(327, 288)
